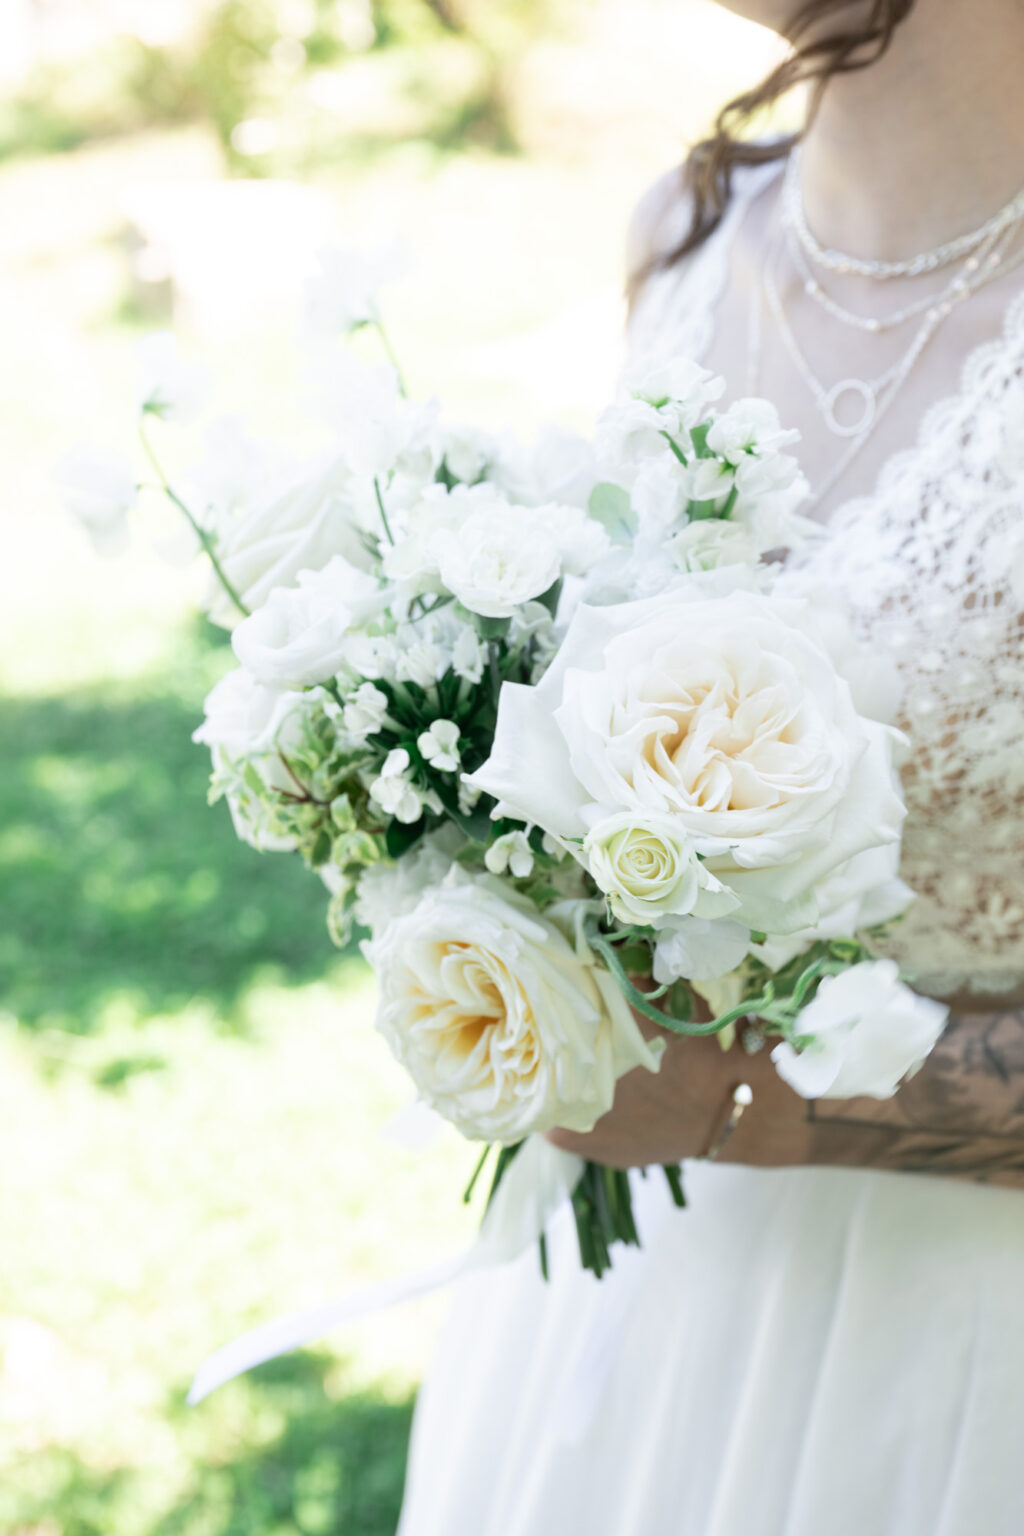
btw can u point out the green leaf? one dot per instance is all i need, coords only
(401, 836)
(610, 506)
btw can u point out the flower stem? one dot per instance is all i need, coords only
(391, 356)
(382, 509)
(206, 542)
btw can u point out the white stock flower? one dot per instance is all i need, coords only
(439, 746)
(511, 853)
(498, 559)
(365, 711)
(867, 1031)
(699, 949)
(342, 293)
(297, 638)
(468, 656)
(648, 868)
(99, 491)
(298, 527)
(505, 1029)
(720, 712)
(395, 794)
(170, 386)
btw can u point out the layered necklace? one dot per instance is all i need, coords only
(977, 258)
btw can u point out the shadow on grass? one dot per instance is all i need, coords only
(306, 1464)
(116, 877)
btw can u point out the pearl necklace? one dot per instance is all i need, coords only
(879, 393)
(915, 266)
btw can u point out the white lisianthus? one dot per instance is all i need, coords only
(699, 949)
(511, 853)
(648, 868)
(505, 1029)
(99, 491)
(342, 293)
(439, 746)
(297, 638)
(394, 792)
(365, 711)
(711, 543)
(300, 527)
(863, 1033)
(722, 713)
(170, 386)
(386, 891)
(498, 559)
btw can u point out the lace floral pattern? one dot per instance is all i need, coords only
(931, 565)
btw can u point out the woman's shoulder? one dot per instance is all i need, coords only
(659, 221)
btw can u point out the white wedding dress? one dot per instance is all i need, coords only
(802, 1352)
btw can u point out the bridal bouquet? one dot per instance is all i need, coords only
(554, 734)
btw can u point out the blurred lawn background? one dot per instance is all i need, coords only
(192, 1099)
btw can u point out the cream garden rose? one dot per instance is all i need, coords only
(649, 870)
(725, 715)
(504, 1028)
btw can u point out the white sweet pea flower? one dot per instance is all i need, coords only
(505, 1028)
(749, 426)
(677, 379)
(467, 452)
(499, 558)
(98, 491)
(439, 746)
(722, 713)
(864, 1031)
(307, 517)
(648, 868)
(365, 711)
(581, 541)
(170, 386)
(560, 467)
(697, 948)
(298, 637)
(632, 432)
(395, 794)
(342, 293)
(378, 430)
(511, 853)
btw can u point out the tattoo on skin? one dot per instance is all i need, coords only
(962, 1115)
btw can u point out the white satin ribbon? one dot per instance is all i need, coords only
(540, 1178)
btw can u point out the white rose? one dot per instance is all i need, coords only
(99, 491)
(699, 949)
(722, 713)
(867, 1031)
(498, 559)
(859, 895)
(301, 528)
(504, 1029)
(297, 638)
(649, 870)
(711, 543)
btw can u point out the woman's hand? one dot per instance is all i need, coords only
(962, 1115)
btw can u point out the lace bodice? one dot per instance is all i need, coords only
(931, 564)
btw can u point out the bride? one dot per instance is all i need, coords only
(830, 1340)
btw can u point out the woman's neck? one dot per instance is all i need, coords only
(926, 143)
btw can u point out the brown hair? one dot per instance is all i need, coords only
(814, 59)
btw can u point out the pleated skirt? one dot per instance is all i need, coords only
(801, 1352)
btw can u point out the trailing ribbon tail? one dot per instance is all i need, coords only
(539, 1179)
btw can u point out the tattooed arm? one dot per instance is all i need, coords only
(962, 1116)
